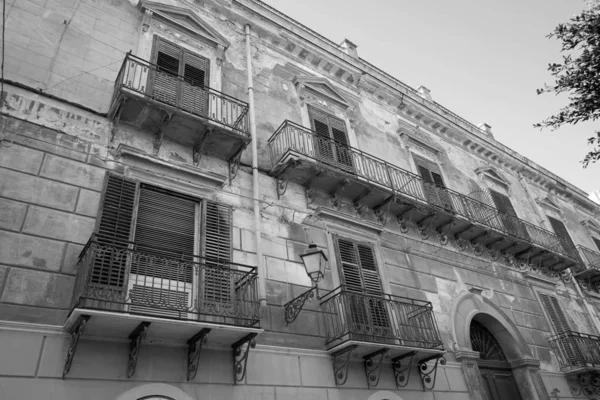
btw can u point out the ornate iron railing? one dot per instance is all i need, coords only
(293, 137)
(119, 276)
(574, 349)
(379, 318)
(183, 93)
(590, 257)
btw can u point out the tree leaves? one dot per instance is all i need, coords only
(578, 75)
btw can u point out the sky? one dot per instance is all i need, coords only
(482, 59)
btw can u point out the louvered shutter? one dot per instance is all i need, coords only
(561, 230)
(217, 280)
(567, 348)
(323, 143)
(165, 81)
(433, 185)
(194, 97)
(113, 233)
(512, 225)
(340, 137)
(597, 243)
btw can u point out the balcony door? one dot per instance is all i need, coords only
(150, 241)
(331, 139)
(508, 219)
(433, 183)
(180, 77)
(364, 304)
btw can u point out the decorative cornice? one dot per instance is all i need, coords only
(493, 175)
(325, 213)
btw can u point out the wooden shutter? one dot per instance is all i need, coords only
(332, 139)
(561, 230)
(555, 313)
(217, 280)
(434, 186)
(361, 278)
(323, 144)
(165, 81)
(512, 225)
(114, 230)
(165, 228)
(194, 97)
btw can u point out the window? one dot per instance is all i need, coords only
(361, 279)
(508, 215)
(596, 242)
(433, 183)
(173, 62)
(331, 140)
(555, 313)
(561, 230)
(153, 239)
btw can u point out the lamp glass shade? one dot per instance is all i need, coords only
(315, 262)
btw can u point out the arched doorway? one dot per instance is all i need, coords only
(499, 382)
(497, 352)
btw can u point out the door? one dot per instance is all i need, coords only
(508, 219)
(499, 384)
(433, 184)
(331, 140)
(180, 77)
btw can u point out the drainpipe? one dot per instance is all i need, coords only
(262, 293)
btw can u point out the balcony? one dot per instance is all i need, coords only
(121, 292)
(318, 163)
(590, 277)
(169, 105)
(367, 326)
(579, 357)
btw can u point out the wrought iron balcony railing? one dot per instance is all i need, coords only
(374, 172)
(591, 258)
(183, 93)
(122, 277)
(576, 350)
(379, 318)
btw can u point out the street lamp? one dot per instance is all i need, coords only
(315, 262)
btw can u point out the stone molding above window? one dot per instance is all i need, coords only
(493, 175)
(185, 20)
(592, 227)
(413, 137)
(548, 203)
(315, 88)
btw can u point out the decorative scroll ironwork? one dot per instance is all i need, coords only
(373, 363)
(377, 318)
(236, 305)
(341, 364)
(428, 372)
(400, 371)
(135, 344)
(76, 333)
(310, 193)
(193, 353)
(159, 135)
(234, 164)
(241, 350)
(117, 117)
(293, 307)
(335, 197)
(485, 343)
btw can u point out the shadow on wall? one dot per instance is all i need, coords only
(155, 391)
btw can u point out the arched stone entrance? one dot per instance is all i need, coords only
(525, 369)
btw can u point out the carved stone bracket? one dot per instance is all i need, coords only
(373, 363)
(336, 194)
(159, 135)
(293, 307)
(403, 219)
(428, 370)
(220, 54)
(359, 206)
(585, 383)
(309, 190)
(146, 20)
(281, 186)
(443, 237)
(400, 370)
(310, 193)
(241, 350)
(479, 239)
(423, 225)
(76, 333)
(135, 344)
(341, 364)
(461, 231)
(193, 353)
(382, 209)
(200, 145)
(117, 118)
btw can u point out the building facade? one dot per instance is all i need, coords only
(170, 170)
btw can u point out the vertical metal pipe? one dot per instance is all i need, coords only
(262, 293)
